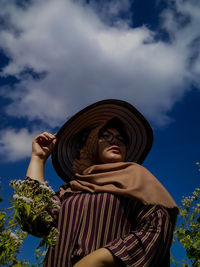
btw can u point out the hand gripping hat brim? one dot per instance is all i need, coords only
(138, 130)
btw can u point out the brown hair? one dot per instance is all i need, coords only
(88, 154)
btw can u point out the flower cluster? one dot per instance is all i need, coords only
(188, 233)
(33, 205)
(10, 242)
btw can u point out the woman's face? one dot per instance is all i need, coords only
(111, 147)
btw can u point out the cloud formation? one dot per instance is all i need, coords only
(15, 144)
(78, 57)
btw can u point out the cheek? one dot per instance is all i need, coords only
(102, 151)
(123, 153)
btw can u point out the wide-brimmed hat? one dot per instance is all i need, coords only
(139, 132)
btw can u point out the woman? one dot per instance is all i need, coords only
(113, 212)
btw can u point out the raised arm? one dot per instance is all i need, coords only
(42, 146)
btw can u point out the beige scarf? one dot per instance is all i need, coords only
(124, 178)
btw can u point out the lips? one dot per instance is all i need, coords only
(115, 149)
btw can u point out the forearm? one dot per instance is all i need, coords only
(99, 258)
(36, 168)
(42, 146)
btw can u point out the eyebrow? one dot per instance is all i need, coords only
(113, 133)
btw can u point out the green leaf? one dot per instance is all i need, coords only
(2, 215)
(28, 209)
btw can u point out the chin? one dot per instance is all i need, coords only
(111, 158)
(114, 160)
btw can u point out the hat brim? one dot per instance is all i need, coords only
(138, 129)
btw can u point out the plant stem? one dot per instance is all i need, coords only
(10, 226)
(7, 208)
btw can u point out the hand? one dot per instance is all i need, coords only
(43, 145)
(99, 258)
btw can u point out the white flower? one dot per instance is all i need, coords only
(55, 201)
(16, 183)
(14, 236)
(44, 253)
(44, 186)
(27, 200)
(24, 199)
(16, 196)
(47, 187)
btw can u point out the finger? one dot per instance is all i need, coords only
(54, 141)
(41, 137)
(48, 135)
(52, 145)
(44, 136)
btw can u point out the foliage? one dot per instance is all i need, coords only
(10, 242)
(188, 232)
(31, 211)
(11, 238)
(33, 205)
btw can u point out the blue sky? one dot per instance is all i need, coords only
(58, 56)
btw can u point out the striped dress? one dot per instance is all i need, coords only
(137, 234)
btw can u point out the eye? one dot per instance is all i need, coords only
(121, 139)
(106, 136)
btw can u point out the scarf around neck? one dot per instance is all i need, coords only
(127, 179)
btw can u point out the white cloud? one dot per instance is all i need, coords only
(110, 12)
(15, 144)
(183, 26)
(86, 59)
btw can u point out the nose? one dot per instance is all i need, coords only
(115, 141)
